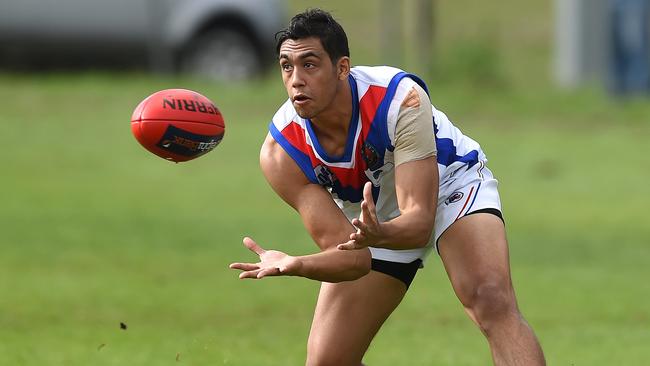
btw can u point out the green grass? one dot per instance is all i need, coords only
(95, 231)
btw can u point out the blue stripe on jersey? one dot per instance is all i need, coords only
(352, 130)
(447, 151)
(445, 146)
(381, 117)
(302, 159)
(382, 111)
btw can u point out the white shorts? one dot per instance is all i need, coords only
(465, 191)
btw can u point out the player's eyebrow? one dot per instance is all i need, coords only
(303, 55)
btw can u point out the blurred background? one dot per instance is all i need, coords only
(95, 231)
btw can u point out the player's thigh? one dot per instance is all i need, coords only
(348, 315)
(474, 251)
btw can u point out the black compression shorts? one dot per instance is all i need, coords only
(404, 272)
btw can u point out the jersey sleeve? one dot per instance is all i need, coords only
(414, 135)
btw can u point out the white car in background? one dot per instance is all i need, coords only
(217, 39)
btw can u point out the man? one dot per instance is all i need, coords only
(378, 186)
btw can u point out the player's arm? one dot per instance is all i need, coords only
(416, 184)
(322, 218)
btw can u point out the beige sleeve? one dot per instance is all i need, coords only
(414, 136)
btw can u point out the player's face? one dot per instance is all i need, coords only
(310, 77)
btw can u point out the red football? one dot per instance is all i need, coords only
(177, 124)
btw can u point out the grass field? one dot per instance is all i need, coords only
(95, 231)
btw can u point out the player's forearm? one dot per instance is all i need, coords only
(407, 231)
(335, 265)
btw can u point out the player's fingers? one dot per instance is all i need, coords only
(371, 210)
(356, 235)
(249, 274)
(350, 245)
(367, 196)
(369, 217)
(361, 226)
(244, 266)
(359, 235)
(252, 245)
(358, 238)
(365, 215)
(346, 246)
(268, 272)
(367, 191)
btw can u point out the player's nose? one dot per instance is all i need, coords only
(297, 79)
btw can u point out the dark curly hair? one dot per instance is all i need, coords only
(320, 24)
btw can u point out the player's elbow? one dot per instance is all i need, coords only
(422, 239)
(363, 264)
(423, 231)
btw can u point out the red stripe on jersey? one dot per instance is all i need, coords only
(368, 106)
(295, 134)
(466, 202)
(351, 177)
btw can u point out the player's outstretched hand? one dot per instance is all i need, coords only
(369, 230)
(272, 263)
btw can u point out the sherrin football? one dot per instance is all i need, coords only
(177, 124)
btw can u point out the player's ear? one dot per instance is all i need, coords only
(343, 68)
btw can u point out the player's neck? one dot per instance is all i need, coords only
(331, 126)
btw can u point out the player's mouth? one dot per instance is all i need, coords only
(300, 99)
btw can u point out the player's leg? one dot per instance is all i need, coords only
(347, 317)
(474, 251)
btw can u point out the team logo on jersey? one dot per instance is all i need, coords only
(325, 176)
(374, 163)
(370, 156)
(454, 197)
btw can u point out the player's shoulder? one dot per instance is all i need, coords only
(374, 75)
(277, 165)
(272, 154)
(272, 157)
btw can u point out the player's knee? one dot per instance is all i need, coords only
(490, 303)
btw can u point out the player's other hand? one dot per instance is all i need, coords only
(272, 263)
(369, 230)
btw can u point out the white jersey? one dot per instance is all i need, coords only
(377, 94)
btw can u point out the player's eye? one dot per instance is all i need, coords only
(286, 67)
(309, 65)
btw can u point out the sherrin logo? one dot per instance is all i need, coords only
(187, 143)
(190, 106)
